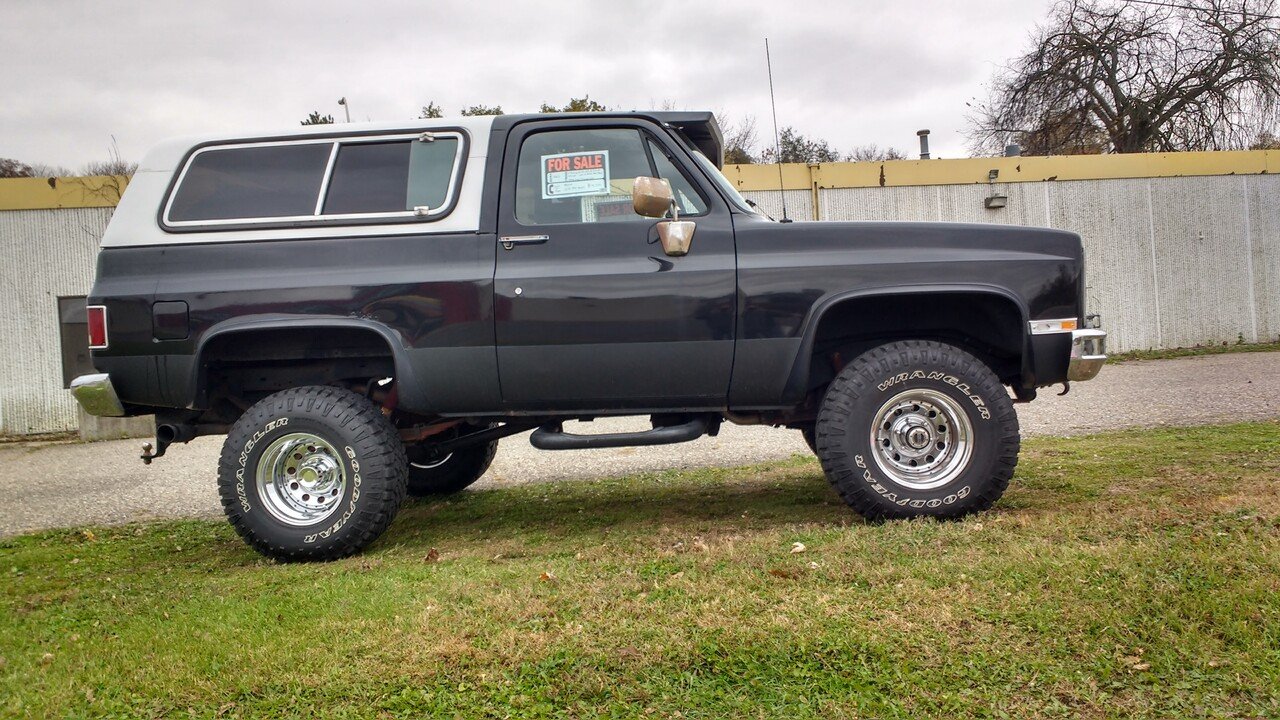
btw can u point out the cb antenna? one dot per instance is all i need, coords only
(777, 144)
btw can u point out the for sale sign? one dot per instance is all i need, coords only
(575, 174)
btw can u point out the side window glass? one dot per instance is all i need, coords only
(252, 182)
(384, 177)
(368, 178)
(687, 198)
(579, 176)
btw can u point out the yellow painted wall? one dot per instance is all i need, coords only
(70, 192)
(103, 191)
(901, 173)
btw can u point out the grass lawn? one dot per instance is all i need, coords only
(1134, 574)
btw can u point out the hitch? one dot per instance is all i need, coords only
(147, 456)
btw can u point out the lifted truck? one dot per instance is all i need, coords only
(364, 310)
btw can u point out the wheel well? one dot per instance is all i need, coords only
(239, 368)
(987, 325)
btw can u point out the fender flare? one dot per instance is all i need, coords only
(798, 378)
(405, 379)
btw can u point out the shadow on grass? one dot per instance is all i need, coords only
(713, 499)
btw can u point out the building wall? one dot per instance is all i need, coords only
(44, 255)
(1182, 249)
(1171, 261)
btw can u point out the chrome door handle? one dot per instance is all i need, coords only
(510, 241)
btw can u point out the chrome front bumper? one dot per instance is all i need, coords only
(97, 395)
(1088, 353)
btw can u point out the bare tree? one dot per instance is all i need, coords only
(1121, 76)
(10, 168)
(114, 164)
(48, 170)
(740, 140)
(874, 153)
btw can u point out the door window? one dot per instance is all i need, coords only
(688, 199)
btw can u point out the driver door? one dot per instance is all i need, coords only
(590, 313)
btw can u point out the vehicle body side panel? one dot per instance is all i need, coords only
(430, 295)
(787, 273)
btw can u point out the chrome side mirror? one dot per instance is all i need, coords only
(676, 236)
(652, 197)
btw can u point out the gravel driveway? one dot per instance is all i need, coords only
(61, 484)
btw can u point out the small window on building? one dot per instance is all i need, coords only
(385, 177)
(268, 181)
(73, 329)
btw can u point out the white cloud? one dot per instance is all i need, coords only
(850, 72)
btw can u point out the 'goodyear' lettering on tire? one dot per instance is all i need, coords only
(244, 459)
(951, 380)
(351, 505)
(892, 496)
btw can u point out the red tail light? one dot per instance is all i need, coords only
(97, 315)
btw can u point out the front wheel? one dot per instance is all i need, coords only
(916, 428)
(311, 473)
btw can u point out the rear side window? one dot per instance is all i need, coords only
(405, 176)
(251, 182)
(390, 177)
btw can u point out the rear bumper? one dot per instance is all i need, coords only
(97, 395)
(1088, 354)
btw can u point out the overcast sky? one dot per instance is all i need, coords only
(853, 73)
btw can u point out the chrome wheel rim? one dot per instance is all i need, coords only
(431, 464)
(922, 438)
(301, 479)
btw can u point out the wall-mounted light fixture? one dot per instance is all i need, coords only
(995, 200)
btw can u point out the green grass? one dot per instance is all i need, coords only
(1124, 575)
(1238, 347)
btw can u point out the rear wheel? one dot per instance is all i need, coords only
(431, 474)
(311, 473)
(810, 438)
(917, 428)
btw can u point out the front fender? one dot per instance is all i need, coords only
(798, 378)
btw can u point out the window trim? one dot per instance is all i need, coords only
(316, 219)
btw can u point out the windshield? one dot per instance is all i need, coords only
(723, 183)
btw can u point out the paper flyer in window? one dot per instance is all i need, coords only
(575, 174)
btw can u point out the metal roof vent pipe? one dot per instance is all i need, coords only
(1013, 150)
(924, 143)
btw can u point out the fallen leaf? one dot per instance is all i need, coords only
(547, 576)
(678, 575)
(785, 573)
(797, 548)
(88, 535)
(46, 658)
(813, 565)
(1142, 666)
(432, 555)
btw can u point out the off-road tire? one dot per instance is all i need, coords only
(864, 469)
(458, 472)
(366, 447)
